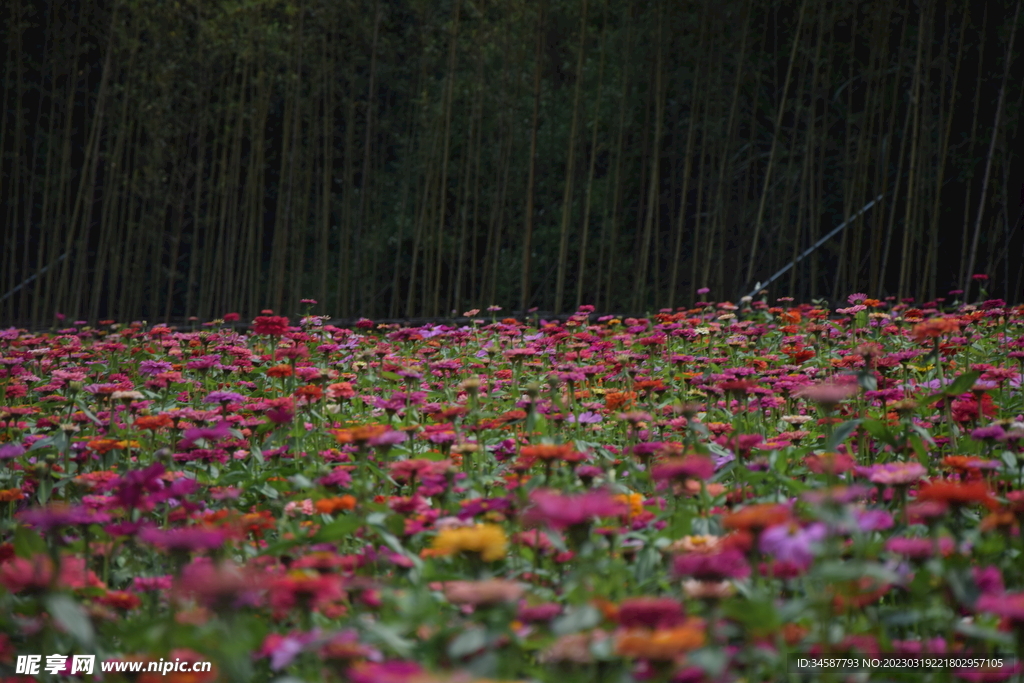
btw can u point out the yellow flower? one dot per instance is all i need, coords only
(635, 501)
(489, 540)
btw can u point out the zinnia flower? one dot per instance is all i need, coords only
(726, 564)
(487, 540)
(790, 543)
(560, 511)
(650, 612)
(897, 473)
(489, 592)
(270, 325)
(660, 644)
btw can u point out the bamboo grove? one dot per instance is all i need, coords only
(397, 158)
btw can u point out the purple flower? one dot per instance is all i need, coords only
(873, 520)
(217, 432)
(48, 519)
(11, 450)
(792, 544)
(990, 433)
(223, 397)
(289, 647)
(135, 484)
(154, 367)
(586, 418)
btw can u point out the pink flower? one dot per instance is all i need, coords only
(727, 564)
(560, 511)
(790, 543)
(897, 473)
(190, 538)
(1010, 606)
(385, 672)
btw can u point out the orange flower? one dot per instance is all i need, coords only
(660, 644)
(958, 494)
(551, 452)
(634, 501)
(359, 434)
(618, 399)
(935, 327)
(257, 522)
(791, 317)
(332, 505)
(154, 422)
(102, 446)
(11, 495)
(282, 370)
(757, 517)
(309, 393)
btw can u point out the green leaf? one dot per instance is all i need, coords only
(878, 430)
(981, 633)
(71, 617)
(577, 619)
(301, 481)
(867, 381)
(918, 445)
(88, 413)
(923, 433)
(27, 542)
(42, 443)
(388, 636)
(467, 642)
(841, 433)
(962, 383)
(336, 530)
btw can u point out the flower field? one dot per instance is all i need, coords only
(702, 495)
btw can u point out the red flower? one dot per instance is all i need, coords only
(270, 325)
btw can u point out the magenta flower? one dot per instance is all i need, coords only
(649, 612)
(187, 539)
(536, 613)
(727, 564)
(53, 517)
(385, 672)
(561, 511)
(688, 467)
(219, 431)
(1007, 605)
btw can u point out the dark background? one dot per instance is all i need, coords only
(170, 159)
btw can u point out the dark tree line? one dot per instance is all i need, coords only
(413, 157)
